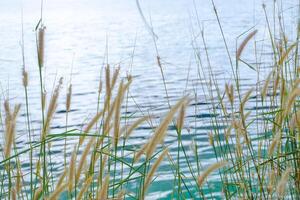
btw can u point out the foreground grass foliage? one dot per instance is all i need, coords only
(257, 155)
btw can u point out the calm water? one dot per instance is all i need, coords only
(76, 37)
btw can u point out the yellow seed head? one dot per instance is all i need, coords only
(149, 176)
(209, 170)
(281, 186)
(244, 43)
(25, 78)
(41, 46)
(68, 101)
(274, 143)
(102, 192)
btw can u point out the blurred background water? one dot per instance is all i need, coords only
(82, 35)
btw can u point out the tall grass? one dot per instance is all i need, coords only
(257, 154)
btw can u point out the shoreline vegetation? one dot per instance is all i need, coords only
(257, 153)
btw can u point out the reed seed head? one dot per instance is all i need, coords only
(41, 45)
(244, 43)
(58, 190)
(51, 109)
(281, 186)
(25, 78)
(209, 170)
(84, 188)
(83, 159)
(153, 169)
(103, 191)
(160, 131)
(68, 101)
(89, 127)
(274, 143)
(72, 170)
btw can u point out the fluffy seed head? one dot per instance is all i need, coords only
(68, 101)
(72, 171)
(209, 170)
(51, 109)
(102, 192)
(90, 126)
(274, 143)
(84, 188)
(153, 169)
(58, 190)
(180, 119)
(83, 159)
(41, 46)
(160, 132)
(25, 78)
(244, 43)
(282, 183)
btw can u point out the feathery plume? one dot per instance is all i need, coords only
(119, 100)
(295, 121)
(72, 170)
(58, 190)
(127, 130)
(90, 126)
(265, 87)
(19, 181)
(51, 109)
(272, 179)
(160, 131)
(100, 87)
(291, 99)
(244, 43)
(211, 139)
(246, 97)
(38, 193)
(285, 54)
(140, 152)
(10, 123)
(61, 178)
(83, 158)
(43, 100)
(120, 195)
(41, 46)
(209, 170)
(180, 119)
(102, 192)
(276, 84)
(7, 111)
(229, 92)
(68, 101)
(84, 188)
(281, 186)
(106, 126)
(274, 143)
(13, 194)
(107, 86)
(114, 78)
(149, 176)
(25, 78)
